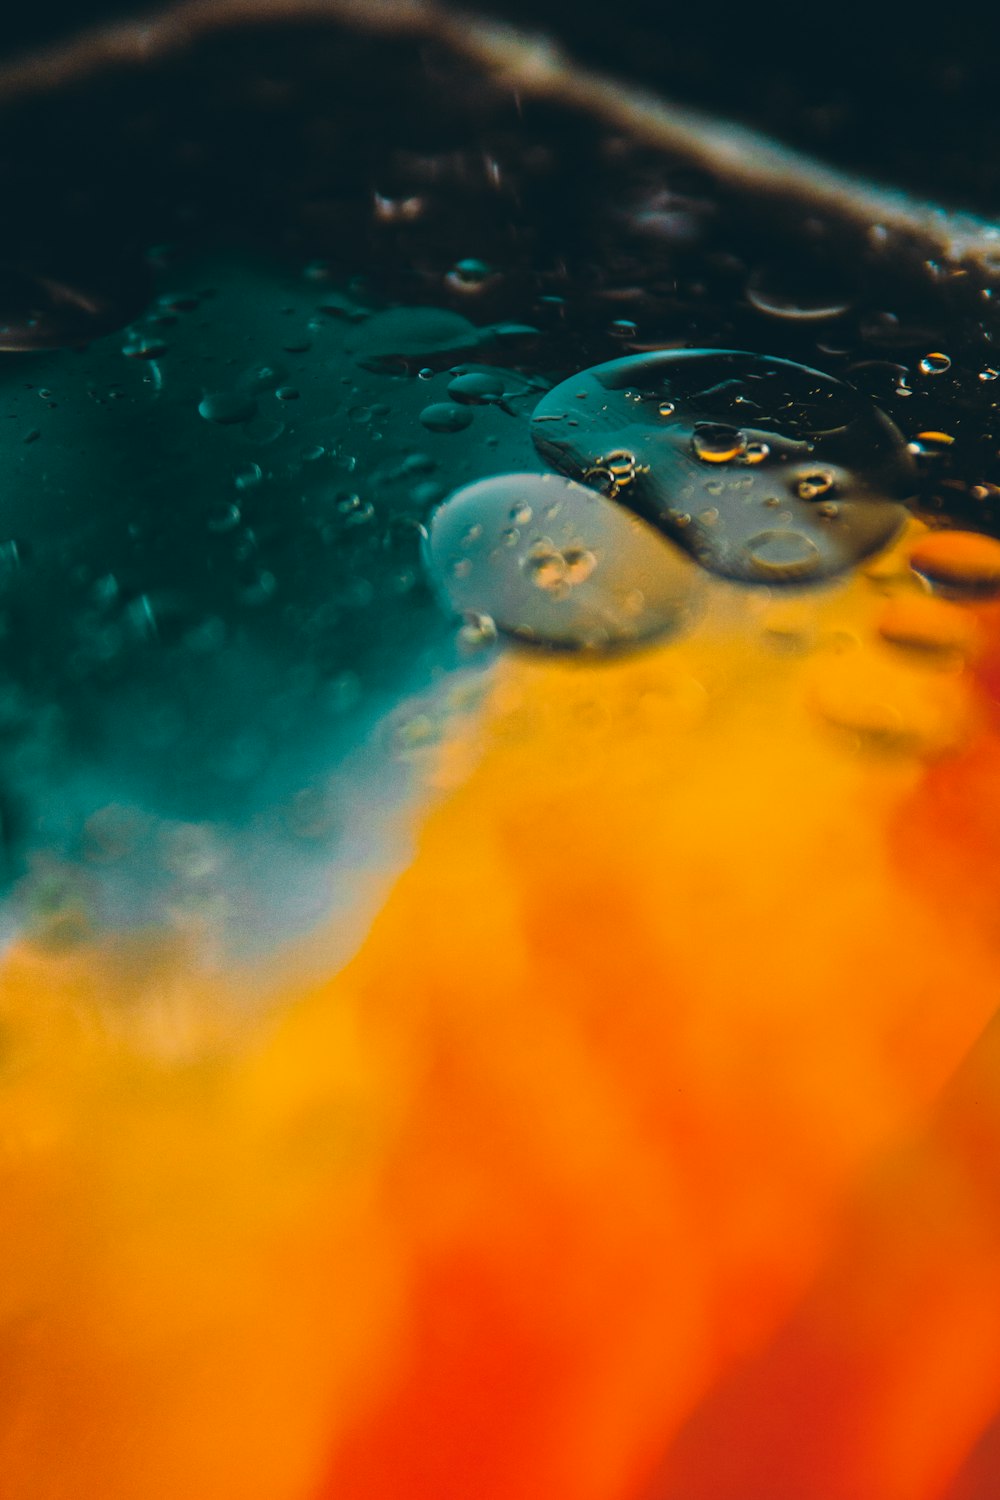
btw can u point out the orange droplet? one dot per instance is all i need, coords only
(920, 623)
(958, 562)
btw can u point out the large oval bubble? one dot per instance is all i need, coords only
(555, 564)
(763, 470)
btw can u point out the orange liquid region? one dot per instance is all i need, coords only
(645, 1149)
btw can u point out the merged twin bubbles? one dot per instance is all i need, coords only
(758, 469)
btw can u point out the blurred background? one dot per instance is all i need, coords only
(870, 88)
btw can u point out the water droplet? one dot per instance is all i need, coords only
(764, 426)
(516, 331)
(223, 518)
(613, 471)
(989, 373)
(623, 328)
(963, 564)
(666, 408)
(227, 407)
(755, 453)
(935, 364)
(445, 416)
(783, 555)
(796, 292)
(477, 388)
(716, 444)
(261, 589)
(477, 632)
(469, 276)
(583, 575)
(287, 393)
(559, 569)
(887, 706)
(925, 624)
(247, 476)
(813, 484)
(405, 336)
(930, 444)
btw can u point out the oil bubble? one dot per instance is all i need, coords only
(247, 476)
(613, 471)
(579, 574)
(800, 295)
(469, 276)
(492, 385)
(716, 444)
(227, 407)
(770, 433)
(477, 387)
(886, 706)
(935, 364)
(783, 555)
(927, 625)
(223, 518)
(411, 336)
(445, 416)
(962, 564)
(814, 483)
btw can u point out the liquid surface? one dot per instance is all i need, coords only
(435, 1062)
